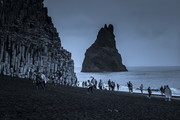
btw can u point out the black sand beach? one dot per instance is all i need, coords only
(19, 100)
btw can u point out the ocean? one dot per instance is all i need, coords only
(155, 77)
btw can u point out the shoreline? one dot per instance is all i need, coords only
(142, 94)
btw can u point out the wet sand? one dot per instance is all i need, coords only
(19, 100)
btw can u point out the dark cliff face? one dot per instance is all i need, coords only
(29, 42)
(27, 17)
(102, 55)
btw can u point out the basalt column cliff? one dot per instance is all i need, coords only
(102, 56)
(29, 42)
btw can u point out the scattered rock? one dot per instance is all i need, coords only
(109, 110)
(116, 110)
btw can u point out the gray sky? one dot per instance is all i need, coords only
(147, 31)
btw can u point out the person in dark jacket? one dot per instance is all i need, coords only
(149, 92)
(90, 86)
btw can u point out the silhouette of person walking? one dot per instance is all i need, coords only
(162, 90)
(128, 84)
(90, 86)
(117, 87)
(149, 92)
(100, 85)
(141, 88)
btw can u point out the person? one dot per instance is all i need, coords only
(43, 77)
(128, 84)
(90, 86)
(109, 84)
(83, 84)
(93, 80)
(131, 87)
(141, 88)
(112, 85)
(39, 81)
(76, 81)
(117, 87)
(168, 93)
(100, 85)
(95, 85)
(43, 80)
(162, 90)
(149, 92)
(53, 79)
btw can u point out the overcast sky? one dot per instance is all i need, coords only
(147, 31)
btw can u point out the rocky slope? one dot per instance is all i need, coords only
(102, 56)
(29, 42)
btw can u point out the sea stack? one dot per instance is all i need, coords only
(102, 55)
(29, 42)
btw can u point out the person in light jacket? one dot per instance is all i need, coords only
(168, 93)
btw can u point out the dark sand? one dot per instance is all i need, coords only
(19, 100)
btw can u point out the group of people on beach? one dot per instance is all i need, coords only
(41, 81)
(90, 84)
(111, 85)
(164, 90)
(93, 84)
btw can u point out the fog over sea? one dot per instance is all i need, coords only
(148, 76)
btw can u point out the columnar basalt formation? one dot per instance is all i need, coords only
(102, 55)
(29, 42)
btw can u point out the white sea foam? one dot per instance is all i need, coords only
(148, 76)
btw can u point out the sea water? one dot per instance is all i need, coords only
(153, 77)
